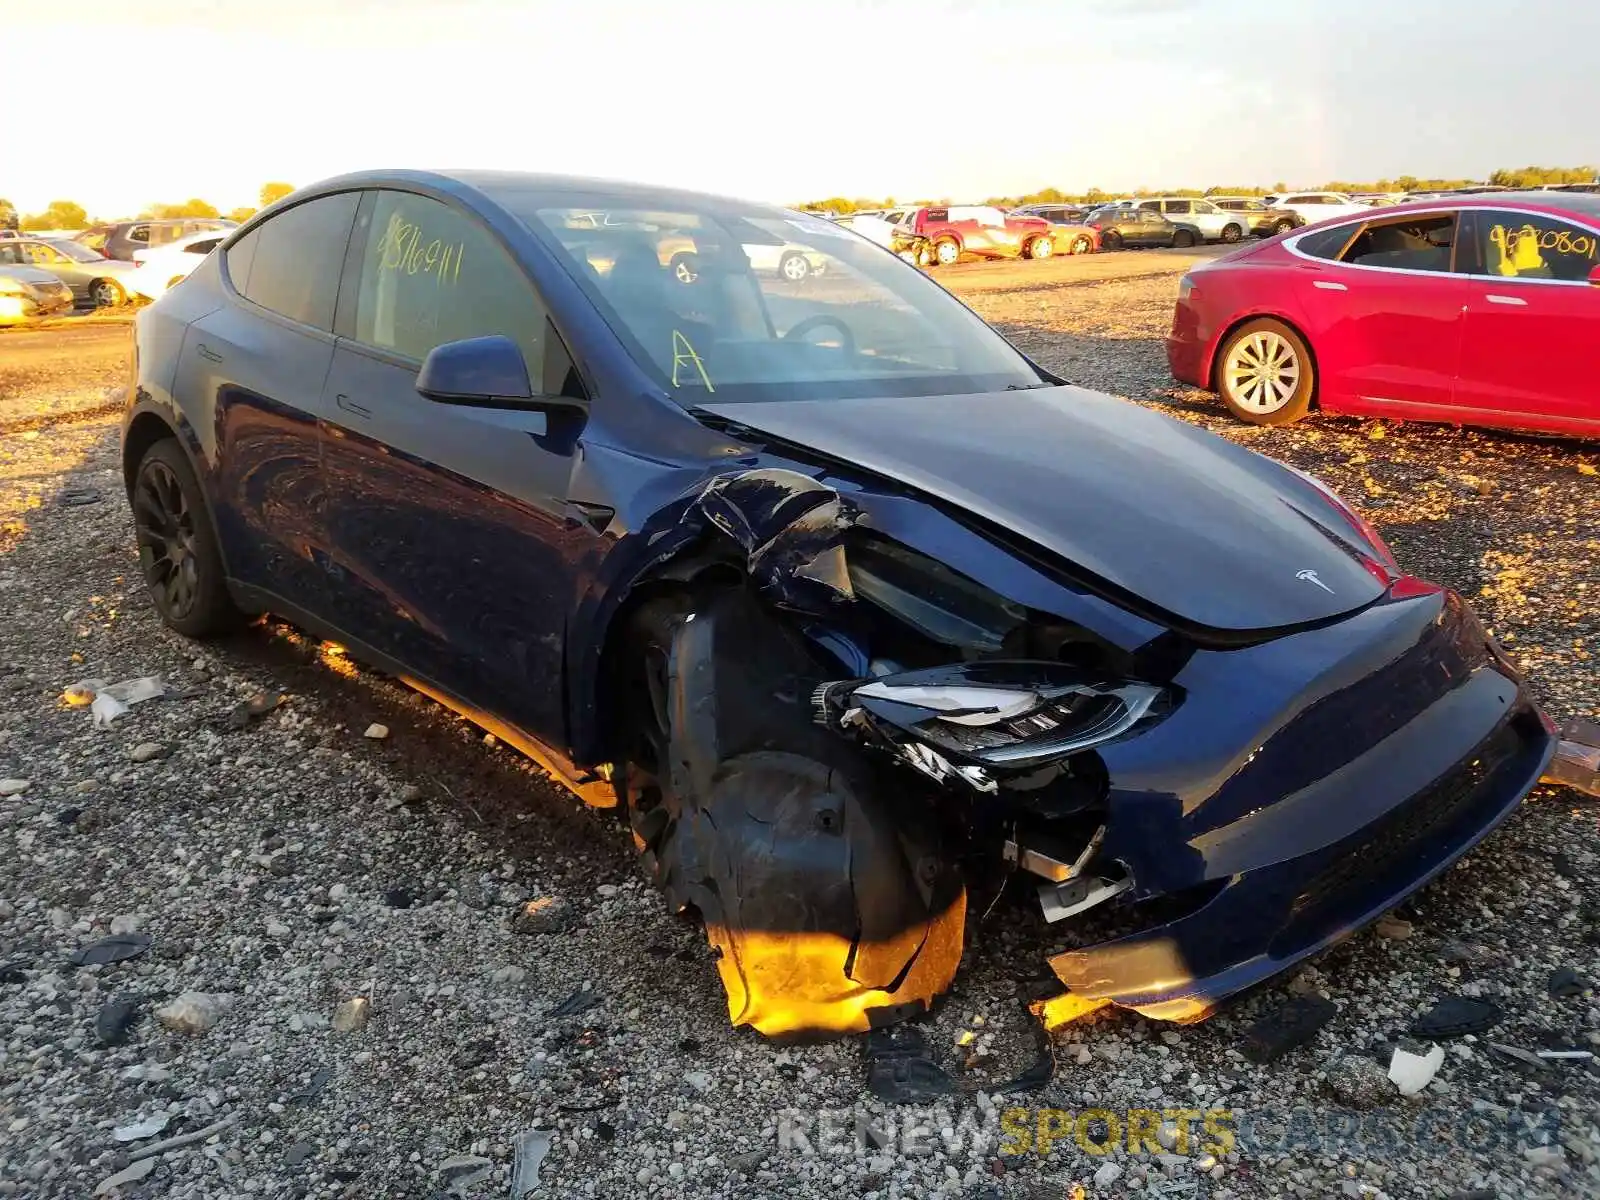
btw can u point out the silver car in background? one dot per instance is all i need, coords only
(27, 293)
(93, 279)
(1215, 224)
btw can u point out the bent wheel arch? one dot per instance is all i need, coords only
(832, 911)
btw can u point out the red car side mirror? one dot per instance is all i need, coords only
(1594, 276)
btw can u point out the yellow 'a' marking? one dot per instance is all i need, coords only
(683, 352)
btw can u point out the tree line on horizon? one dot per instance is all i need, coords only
(1513, 177)
(69, 214)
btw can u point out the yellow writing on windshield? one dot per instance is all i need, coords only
(683, 353)
(1519, 248)
(403, 248)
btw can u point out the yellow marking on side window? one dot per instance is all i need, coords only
(402, 249)
(683, 352)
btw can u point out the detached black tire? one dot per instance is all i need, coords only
(829, 914)
(1264, 373)
(178, 553)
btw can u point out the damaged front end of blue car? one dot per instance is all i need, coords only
(1239, 799)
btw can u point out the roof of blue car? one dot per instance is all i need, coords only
(498, 185)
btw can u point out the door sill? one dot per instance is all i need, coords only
(593, 787)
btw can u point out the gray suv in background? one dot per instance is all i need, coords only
(122, 239)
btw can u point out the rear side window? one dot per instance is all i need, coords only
(296, 257)
(1414, 244)
(1181, 207)
(432, 274)
(238, 258)
(140, 234)
(1325, 243)
(1529, 246)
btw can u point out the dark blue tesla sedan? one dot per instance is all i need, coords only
(750, 531)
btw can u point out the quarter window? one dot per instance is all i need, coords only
(1525, 246)
(1325, 243)
(432, 274)
(140, 234)
(295, 259)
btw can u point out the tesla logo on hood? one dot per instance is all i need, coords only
(1311, 577)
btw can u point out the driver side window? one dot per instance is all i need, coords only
(431, 274)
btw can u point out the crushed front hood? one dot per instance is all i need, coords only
(1138, 503)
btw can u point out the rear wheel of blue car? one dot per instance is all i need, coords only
(178, 553)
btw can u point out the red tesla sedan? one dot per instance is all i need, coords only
(1474, 310)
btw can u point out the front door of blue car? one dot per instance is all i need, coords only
(447, 521)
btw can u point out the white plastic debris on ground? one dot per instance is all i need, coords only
(1412, 1072)
(108, 701)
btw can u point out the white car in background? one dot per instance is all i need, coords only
(1320, 206)
(161, 268)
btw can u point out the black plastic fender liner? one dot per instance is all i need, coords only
(832, 913)
(790, 527)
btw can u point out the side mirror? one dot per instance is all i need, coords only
(487, 371)
(1594, 276)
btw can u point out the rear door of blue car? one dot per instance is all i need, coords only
(448, 521)
(251, 374)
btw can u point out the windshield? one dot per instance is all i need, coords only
(74, 251)
(754, 304)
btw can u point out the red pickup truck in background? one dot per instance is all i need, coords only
(977, 229)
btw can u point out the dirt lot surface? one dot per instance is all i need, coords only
(368, 1020)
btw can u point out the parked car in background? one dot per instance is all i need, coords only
(1475, 310)
(1118, 227)
(1264, 221)
(841, 605)
(27, 293)
(157, 270)
(1068, 233)
(1056, 214)
(121, 239)
(1214, 223)
(1318, 206)
(101, 282)
(979, 229)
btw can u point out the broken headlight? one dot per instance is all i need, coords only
(999, 714)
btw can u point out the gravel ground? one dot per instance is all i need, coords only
(364, 1015)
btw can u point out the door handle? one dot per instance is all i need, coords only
(350, 406)
(1329, 285)
(1514, 301)
(207, 353)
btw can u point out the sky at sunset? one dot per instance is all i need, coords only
(786, 102)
